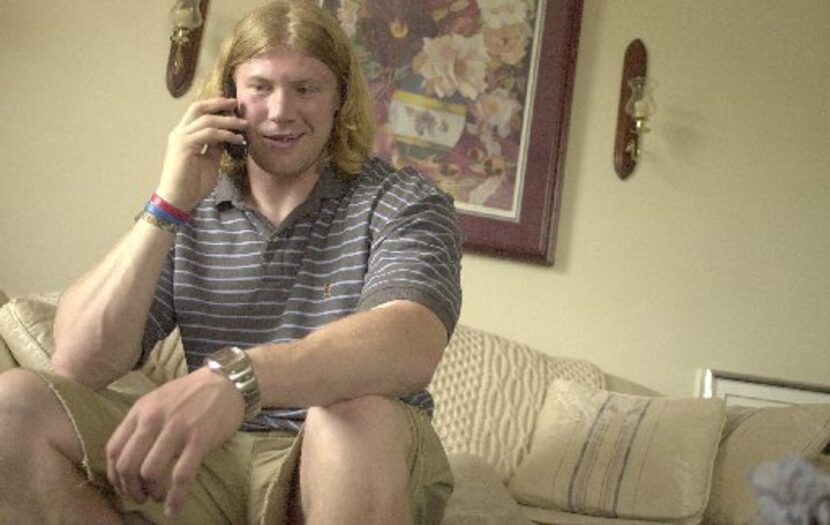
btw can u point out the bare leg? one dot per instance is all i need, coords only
(353, 466)
(39, 458)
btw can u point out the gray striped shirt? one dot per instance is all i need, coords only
(234, 279)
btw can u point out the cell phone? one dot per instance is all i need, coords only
(236, 151)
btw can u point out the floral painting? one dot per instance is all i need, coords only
(450, 81)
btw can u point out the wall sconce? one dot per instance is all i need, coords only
(635, 108)
(187, 18)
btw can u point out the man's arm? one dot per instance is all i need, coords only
(390, 350)
(100, 320)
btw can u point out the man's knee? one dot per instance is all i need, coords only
(375, 416)
(354, 456)
(23, 393)
(30, 411)
(371, 431)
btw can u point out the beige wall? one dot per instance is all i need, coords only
(713, 254)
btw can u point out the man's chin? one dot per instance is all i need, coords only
(289, 170)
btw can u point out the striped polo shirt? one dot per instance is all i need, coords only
(232, 278)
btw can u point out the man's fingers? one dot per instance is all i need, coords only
(183, 474)
(211, 130)
(127, 449)
(129, 463)
(219, 121)
(203, 107)
(115, 446)
(158, 465)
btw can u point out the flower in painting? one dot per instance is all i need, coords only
(507, 44)
(394, 29)
(347, 16)
(453, 63)
(456, 16)
(500, 13)
(497, 109)
(489, 186)
(484, 135)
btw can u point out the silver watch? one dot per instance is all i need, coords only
(233, 363)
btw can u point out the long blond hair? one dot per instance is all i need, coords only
(303, 26)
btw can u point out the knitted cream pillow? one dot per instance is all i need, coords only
(604, 454)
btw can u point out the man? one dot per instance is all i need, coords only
(313, 280)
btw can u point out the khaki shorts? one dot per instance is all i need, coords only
(249, 479)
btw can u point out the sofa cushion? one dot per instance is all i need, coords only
(753, 436)
(604, 454)
(479, 497)
(558, 517)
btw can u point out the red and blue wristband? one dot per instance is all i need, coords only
(181, 215)
(164, 215)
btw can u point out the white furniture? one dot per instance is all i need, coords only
(537, 438)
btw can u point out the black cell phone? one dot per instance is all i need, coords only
(236, 151)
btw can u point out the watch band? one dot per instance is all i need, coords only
(233, 363)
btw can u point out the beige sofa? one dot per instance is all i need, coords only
(539, 439)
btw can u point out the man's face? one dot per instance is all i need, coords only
(290, 101)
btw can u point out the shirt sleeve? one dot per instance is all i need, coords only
(161, 319)
(416, 248)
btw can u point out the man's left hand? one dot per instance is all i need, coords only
(158, 448)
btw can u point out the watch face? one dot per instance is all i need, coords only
(232, 362)
(225, 357)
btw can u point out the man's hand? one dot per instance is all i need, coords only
(194, 148)
(159, 446)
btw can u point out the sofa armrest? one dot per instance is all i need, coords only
(7, 360)
(26, 333)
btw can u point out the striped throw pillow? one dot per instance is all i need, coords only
(612, 455)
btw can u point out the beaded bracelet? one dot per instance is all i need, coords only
(157, 222)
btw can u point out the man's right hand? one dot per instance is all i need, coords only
(157, 449)
(194, 149)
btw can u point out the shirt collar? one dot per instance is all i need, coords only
(228, 193)
(231, 192)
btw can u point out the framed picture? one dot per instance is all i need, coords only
(748, 390)
(476, 96)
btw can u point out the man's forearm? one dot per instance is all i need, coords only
(100, 319)
(391, 350)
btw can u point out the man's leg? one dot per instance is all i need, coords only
(39, 457)
(354, 466)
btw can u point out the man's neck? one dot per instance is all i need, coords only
(276, 196)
